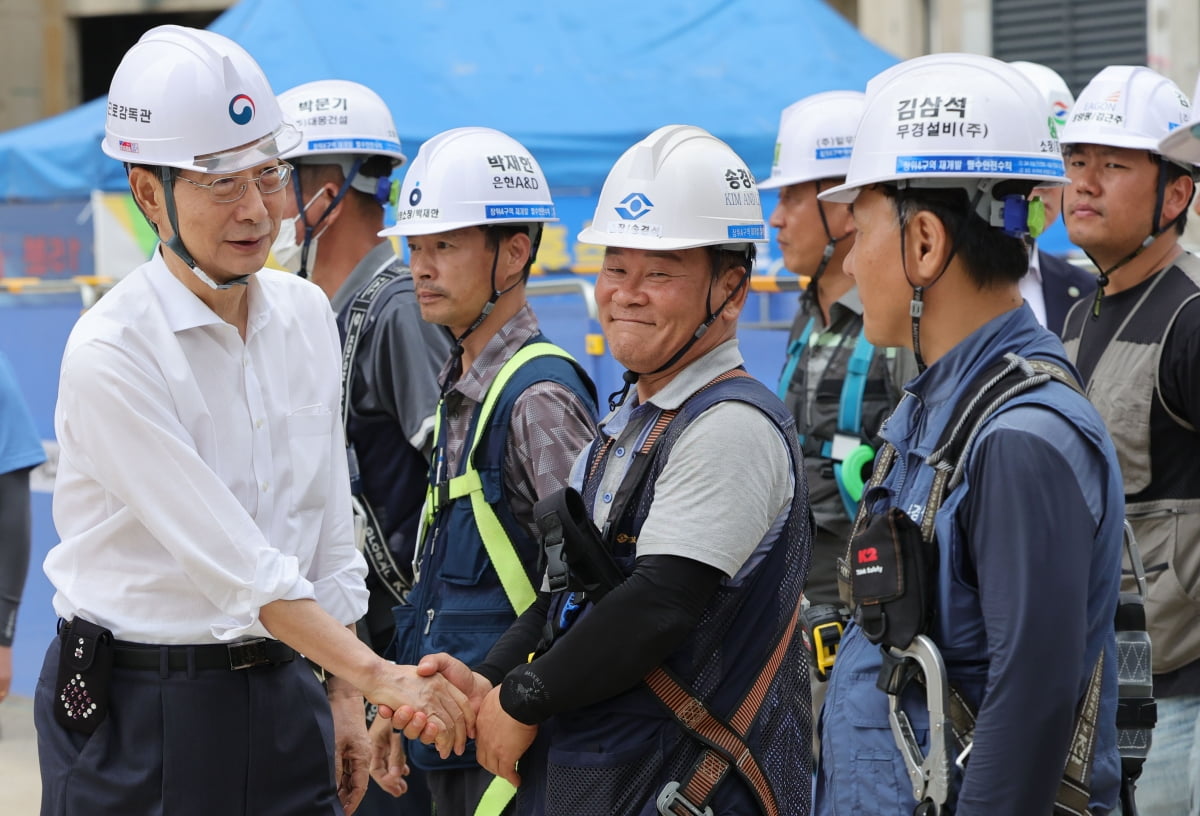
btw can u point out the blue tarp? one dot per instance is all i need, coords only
(576, 82)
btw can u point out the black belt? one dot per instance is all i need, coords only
(244, 654)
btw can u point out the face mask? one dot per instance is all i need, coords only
(287, 252)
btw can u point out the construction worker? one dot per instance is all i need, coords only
(20, 452)
(202, 495)
(1053, 285)
(330, 233)
(1135, 347)
(838, 387)
(695, 497)
(986, 556)
(515, 412)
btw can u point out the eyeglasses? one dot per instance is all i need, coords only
(228, 189)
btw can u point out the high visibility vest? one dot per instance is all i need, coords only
(476, 564)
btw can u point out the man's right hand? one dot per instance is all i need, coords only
(429, 708)
(470, 683)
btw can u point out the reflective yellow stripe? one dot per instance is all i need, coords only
(503, 556)
(499, 547)
(469, 482)
(427, 508)
(496, 798)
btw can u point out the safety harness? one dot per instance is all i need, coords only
(891, 589)
(726, 752)
(500, 550)
(499, 546)
(847, 450)
(373, 541)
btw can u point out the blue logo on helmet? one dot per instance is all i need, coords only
(636, 205)
(241, 109)
(414, 198)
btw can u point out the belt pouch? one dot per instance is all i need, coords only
(893, 570)
(85, 663)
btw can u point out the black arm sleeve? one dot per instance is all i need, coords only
(519, 640)
(15, 527)
(1179, 376)
(617, 643)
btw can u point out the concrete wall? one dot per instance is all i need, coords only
(1173, 31)
(909, 28)
(39, 50)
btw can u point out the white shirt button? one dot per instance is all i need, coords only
(620, 451)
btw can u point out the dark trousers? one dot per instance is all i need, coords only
(255, 742)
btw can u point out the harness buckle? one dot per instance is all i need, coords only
(248, 654)
(670, 797)
(441, 495)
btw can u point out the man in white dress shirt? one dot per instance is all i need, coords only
(203, 500)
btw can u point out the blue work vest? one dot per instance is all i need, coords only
(861, 770)
(614, 757)
(478, 564)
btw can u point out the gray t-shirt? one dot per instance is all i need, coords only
(727, 486)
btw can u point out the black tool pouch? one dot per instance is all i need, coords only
(85, 662)
(577, 558)
(893, 570)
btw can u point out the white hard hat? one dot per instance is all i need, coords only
(1059, 98)
(816, 135)
(338, 121)
(680, 187)
(1183, 143)
(194, 100)
(952, 120)
(1127, 106)
(471, 176)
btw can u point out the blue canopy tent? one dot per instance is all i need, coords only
(577, 83)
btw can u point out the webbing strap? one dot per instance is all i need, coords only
(849, 419)
(496, 798)
(660, 425)
(1074, 793)
(794, 351)
(726, 744)
(500, 550)
(502, 554)
(356, 321)
(375, 544)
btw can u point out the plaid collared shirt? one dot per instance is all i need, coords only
(548, 428)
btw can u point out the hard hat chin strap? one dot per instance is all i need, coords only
(456, 351)
(916, 307)
(309, 231)
(175, 242)
(617, 398)
(1105, 274)
(830, 248)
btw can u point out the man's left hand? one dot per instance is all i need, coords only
(501, 740)
(6, 671)
(352, 750)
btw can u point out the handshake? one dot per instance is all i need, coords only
(446, 704)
